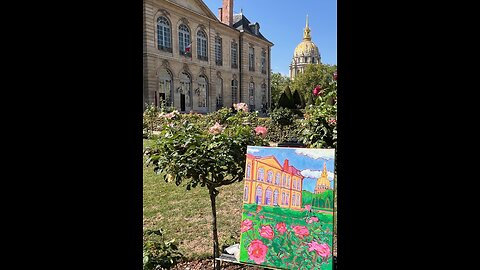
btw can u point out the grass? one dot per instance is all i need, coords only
(186, 215)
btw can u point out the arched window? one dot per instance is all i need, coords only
(294, 184)
(293, 200)
(249, 168)
(268, 196)
(219, 92)
(202, 92)
(283, 198)
(260, 174)
(277, 179)
(284, 183)
(258, 195)
(164, 38)
(251, 96)
(165, 87)
(184, 44)
(186, 90)
(269, 176)
(287, 195)
(234, 91)
(275, 197)
(202, 45)
(245, 193)
(218, 51)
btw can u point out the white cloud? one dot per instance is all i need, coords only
(316, 153)
(250, 150)
(316, 174)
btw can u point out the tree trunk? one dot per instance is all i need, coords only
(216, 254)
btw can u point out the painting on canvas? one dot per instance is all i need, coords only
(287, 217)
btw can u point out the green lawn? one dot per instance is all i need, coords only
(186, 215)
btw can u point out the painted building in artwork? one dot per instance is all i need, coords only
(195, 61)
(323, 183)
(269, 183)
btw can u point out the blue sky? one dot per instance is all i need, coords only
(282, 22)
(301, 158)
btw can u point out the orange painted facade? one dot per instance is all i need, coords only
(269, 183)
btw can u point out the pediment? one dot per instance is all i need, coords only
(198, 6)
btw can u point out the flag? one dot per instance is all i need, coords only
(187, 49)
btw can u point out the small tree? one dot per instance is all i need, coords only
(211, 156)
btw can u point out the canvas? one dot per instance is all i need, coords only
(287, 217)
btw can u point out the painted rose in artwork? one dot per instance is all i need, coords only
(312, 219)
(257, 251)
(308, 207)
(281, 227)
(267, 232)
(246, 225)
(321, 249)
(300, 231)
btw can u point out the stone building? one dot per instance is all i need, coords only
(197, 62)
(305, 53)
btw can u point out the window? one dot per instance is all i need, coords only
(275, 197)
(268, 196)
(293, 200)
(251, 96)
(184, 44)
(284, 183)
(202, 46)
(260, 174)
(249, 168)
(245, 193)
(202, 92)
(234, 91)
(277, 179)
(218, 51)
(219, 91)
(251, 59)
(165, 88)
(258, 195)
(264, 98)
(264, 61)
(164, 39)
(233, 52)
(269, 176)
(185, 89)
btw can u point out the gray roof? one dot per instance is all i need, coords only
(240, 22)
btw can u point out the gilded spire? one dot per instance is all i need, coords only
(306, 32)
(324, 172)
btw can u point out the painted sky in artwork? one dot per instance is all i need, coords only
(308, 160)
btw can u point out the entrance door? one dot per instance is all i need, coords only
(182, 102)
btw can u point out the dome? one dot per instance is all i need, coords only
(306, 48)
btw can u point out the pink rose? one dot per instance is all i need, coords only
(300, 231)
(246, 225)
(266, 232)
(321, 249)
(262, 131)
(308, 207)
(335, 75)
(257, 251)
(215, 129)
(281, 227)
(261, 216)
(241, 107)
(332, 121)
(316, 90)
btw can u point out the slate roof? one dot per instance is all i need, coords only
(240, 22)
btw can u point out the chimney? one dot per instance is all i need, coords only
(285, 165)
(227, 12)
(220, 14)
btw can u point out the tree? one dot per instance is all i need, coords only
(278, 82)
(313, 75)
(297, 100)
(207, 151)
(286, 99)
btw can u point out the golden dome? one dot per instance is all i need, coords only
(323, 179)
(306, 47)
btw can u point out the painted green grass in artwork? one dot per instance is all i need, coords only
(287, 248)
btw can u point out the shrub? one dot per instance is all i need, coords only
(158, 253)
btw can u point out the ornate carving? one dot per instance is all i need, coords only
(201, 26)
(202, 71)
(165, 64)
(184, 20)
(234, 76)
(219, 74)
(164, 12)
(251, 78)
(185, 67)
